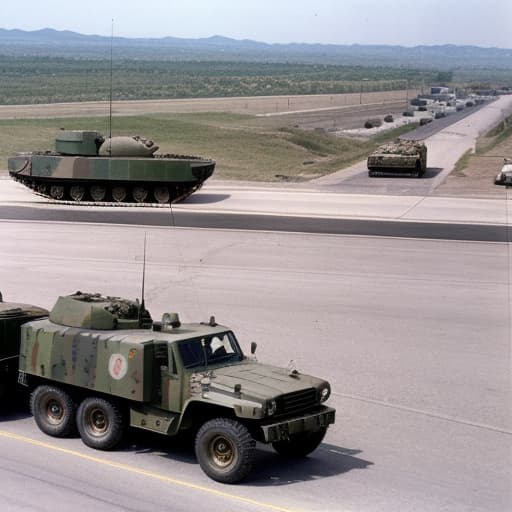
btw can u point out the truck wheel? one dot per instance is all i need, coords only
(225, 450)
(53, 411)
(300, 445)
(101, 423)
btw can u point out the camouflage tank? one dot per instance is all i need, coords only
(12, 315)
(402, 157)
(100, 365)
(86, 166)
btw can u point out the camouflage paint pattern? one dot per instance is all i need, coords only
(86, 159)
(164, 370)
(399, 156)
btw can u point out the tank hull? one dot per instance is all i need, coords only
(160, 179)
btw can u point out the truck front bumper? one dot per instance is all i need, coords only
(312, 422)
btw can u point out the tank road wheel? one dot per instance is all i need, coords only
(57, 191)
(77, 192)
(101, 423)
(41, 188)
(225, 450)
(98, 192)
(139, 194)
(53, 410)
(300, 445)
(161, 195)
(119, 194)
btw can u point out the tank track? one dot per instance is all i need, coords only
(131, 197)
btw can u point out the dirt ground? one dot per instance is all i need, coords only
(477, 179)
(266, 106)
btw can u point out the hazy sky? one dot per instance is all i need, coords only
(403, 22)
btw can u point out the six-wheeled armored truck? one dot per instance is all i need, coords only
(399, 158)
(12, 315)
(86, 166)
(100, 364)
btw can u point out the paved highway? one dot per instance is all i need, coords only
(414, 336)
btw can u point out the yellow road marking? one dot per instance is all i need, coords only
(150, 474)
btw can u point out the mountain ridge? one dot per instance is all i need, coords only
(66, 43)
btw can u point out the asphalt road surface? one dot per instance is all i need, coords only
(241, 221)
(414, 336)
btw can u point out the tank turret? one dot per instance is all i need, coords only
(95, 311)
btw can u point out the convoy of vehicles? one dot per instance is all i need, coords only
(98, 365)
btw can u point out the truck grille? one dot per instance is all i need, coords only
(297, 401)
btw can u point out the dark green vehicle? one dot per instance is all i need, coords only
(100, 364)
(12, 315)
(86, 166)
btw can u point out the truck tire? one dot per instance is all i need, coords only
(300, 445)
(101, 423)
(53, 410)
(225, 450)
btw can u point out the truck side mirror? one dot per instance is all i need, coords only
(254, 345)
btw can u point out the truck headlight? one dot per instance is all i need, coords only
(325, 392)
(271, 407)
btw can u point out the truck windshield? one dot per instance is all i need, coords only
(217, 348)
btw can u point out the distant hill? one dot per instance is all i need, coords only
(54, 43)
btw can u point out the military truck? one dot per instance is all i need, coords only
(399, 158)
(100, 364)
(12, 315)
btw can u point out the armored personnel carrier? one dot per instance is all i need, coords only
(85, 166)
(399, 158)
(100, 364)
(12, 315)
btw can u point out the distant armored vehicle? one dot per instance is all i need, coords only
(398, 158)
(100, 364)
(12, 315)
(504, 177)
(86, 166)
(373, 123)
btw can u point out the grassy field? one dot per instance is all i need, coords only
(244, 148)
(28, 80)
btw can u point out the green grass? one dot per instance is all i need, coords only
(243, 149)
(497, 135)
(462, 163)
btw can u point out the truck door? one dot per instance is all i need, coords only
(172, 397)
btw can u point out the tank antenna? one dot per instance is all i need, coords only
(110, 97)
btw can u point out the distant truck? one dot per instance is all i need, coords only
(398, 158)
(504, 177)
(100, 364)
